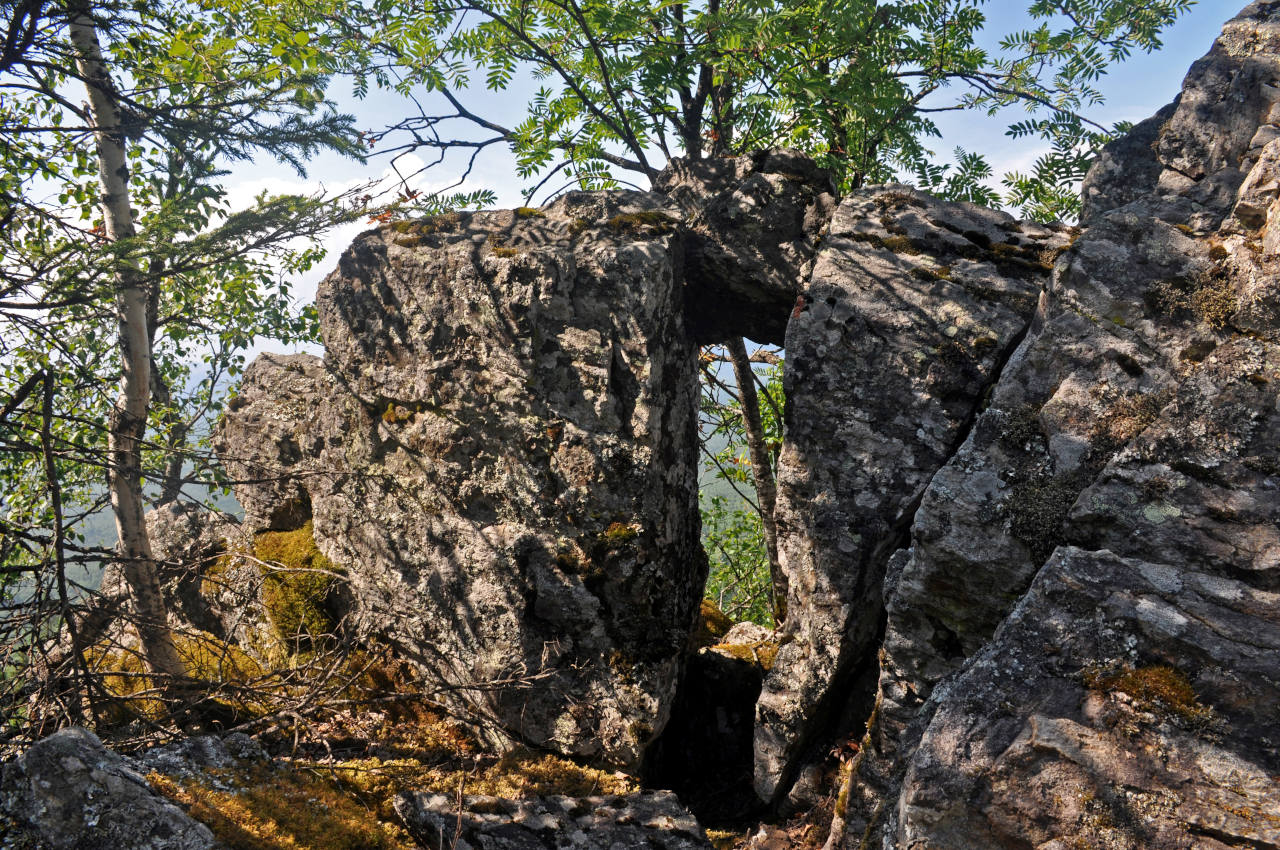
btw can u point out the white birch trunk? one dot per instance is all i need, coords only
(129, 417)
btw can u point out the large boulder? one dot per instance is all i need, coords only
(69, 792)
(913, 307)
(1114, 508)
(499, 450)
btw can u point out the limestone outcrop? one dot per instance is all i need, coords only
(1081, 630)
(499, 450)
(1027, 502)
(913, 307)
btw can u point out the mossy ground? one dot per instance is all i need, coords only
(208, 660)
(346, 803)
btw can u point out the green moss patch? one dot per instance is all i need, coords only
(298, 596)
(1037, 509)
(1156, 688)
(498, 244)
(347, 804)
(1207, 298)
(713, 624)
(644, 223)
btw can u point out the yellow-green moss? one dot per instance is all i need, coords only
(894, 199)
(643, 223)
(1214, 305)
(723, 839)
(279, 810)
(297, 598)
(206, 658)
(395, 414)
(430, 224)
(762, 653)
(1208, 298)
(899, 245)
(347, 804)
(713, 624)
(413, 233)
(1157, 688)
(500, 247)
(618, 534)
(578, 225)
(529, 212)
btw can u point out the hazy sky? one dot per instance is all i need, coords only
(1134, 90)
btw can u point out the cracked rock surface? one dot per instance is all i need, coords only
(499, 448)
(1080, 635)
(913, 306)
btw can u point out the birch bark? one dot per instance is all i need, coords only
(129, 417)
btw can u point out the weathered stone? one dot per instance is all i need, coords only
(913, 306)
(270, 438)
(1134, 422)
(69, 791)
(1126, 169)
(1124, 703)
(196, 756)
(500, 451)
(755, 223)
(651, 820)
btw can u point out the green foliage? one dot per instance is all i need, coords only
(624, 83)
(197, 86)
(734, 540)
(732, 533)
(204, 85)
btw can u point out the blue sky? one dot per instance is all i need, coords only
(1134, 90)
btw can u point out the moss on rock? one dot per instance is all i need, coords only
(297, 595)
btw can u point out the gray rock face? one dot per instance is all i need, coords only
(1114, 507)
(913, 306)
(755, 223)
(271, 439)
(645, 821)
(71, 793)
(1124, 703)
(500, 450)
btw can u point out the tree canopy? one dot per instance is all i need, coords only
(129, 289)
(625, 84)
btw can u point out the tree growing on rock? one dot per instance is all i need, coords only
(624, 86)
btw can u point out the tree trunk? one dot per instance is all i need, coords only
(129, 417)
(761, 469)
